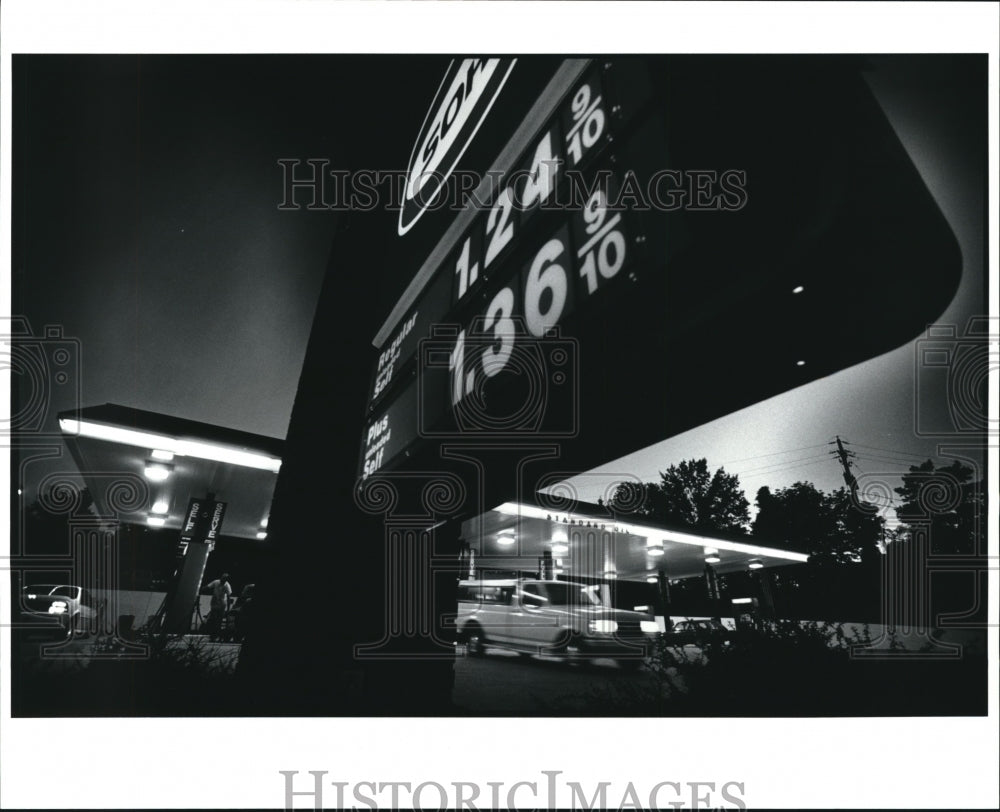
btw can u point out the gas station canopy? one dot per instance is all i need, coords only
(591, 542)
(176, 459)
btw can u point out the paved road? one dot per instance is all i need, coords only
(503, 683)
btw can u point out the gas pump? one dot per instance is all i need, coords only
(746, 613)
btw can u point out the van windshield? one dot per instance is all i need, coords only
(572, 594)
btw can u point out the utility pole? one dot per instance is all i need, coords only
(844, 455)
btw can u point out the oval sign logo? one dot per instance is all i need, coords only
(466, 94)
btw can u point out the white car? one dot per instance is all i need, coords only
(561, 618)
(71, 610)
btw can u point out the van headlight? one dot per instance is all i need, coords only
(604, 626)
(649, 626)
(58, 608)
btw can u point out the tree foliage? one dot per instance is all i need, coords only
(690, 495)
(831, 527)
(946, 502)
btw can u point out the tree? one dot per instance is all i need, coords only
(947, 502)
(831, 527)
(688, 494)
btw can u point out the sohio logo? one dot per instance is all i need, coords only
(465, 96)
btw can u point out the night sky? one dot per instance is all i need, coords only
(146, 223)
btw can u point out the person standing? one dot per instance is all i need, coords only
(221, 597)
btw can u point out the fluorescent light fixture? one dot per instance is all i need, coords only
(654, 549)
(712, 559)
(157, 472)
(161, 506)
(640, 608)
(156, 521)
(162, 454)
(262, 535)
(505, 538)
(706, 542)
(798, 289)
(652, 579)
(742, 600)
(559, 548)
(755, 564)
(515, 509)
(174, 445)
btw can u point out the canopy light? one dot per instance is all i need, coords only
(161, 506)
(800, 363)
(506, 539)
(646, 531)
(654, 549)
(798, 289)
(652, 579)
(742, 600)
(755, 563)
(640, 608)
(171, 445)
(262, 535)
(559, 548)
(156, 521)
(610, 574)
(157, 472)
(161, 454)
(712, 559)
(264, 523)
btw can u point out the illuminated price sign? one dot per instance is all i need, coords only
(585, 122)
(570, 140)
(429, 310)
(389, 432)
(551, 241)
(561, 275)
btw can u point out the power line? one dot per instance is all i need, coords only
(885, 460)
(895, 451)
(777, 466)
(782, 470)
(775, 453)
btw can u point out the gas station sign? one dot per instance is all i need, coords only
(203, 520)
(647, 223)
(390, 431)
(465, 96)
(553, 239)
